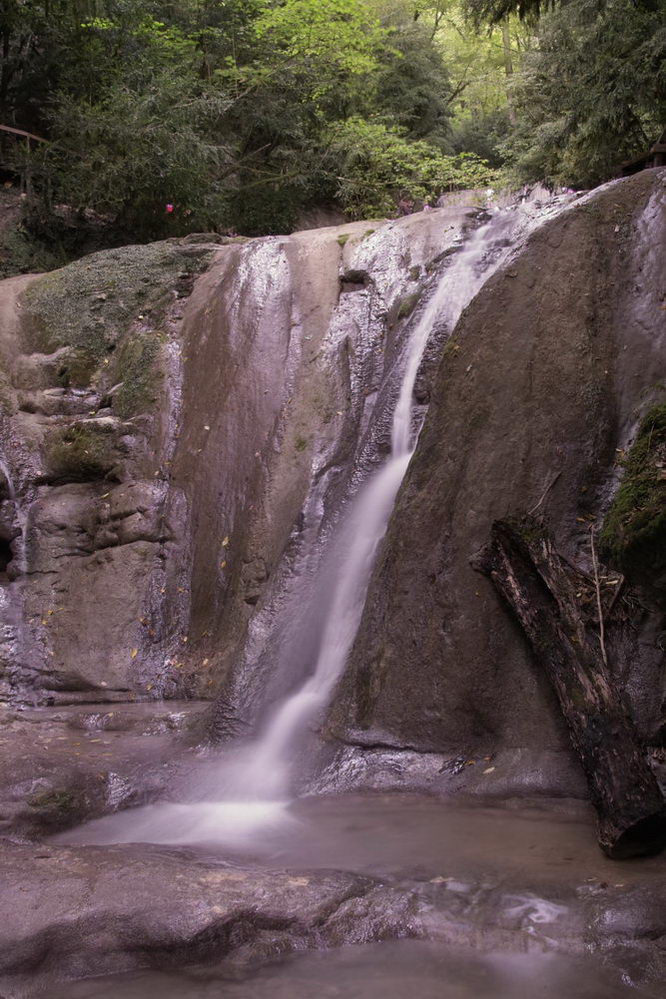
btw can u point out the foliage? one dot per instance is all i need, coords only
(379, 166)
(634, 532)
(592, 95)
(131, 153)
(413, 88)
(220, 110)
(167, 116)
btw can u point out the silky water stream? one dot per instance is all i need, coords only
(248, 791)
(241, 807)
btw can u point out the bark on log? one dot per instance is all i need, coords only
(543, 591)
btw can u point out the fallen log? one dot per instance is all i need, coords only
(544, 592)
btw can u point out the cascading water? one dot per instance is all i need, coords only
(251, 787)
(265, 772)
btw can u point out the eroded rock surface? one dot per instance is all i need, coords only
(104, 910)
(549, 372)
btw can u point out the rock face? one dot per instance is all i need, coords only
(292, 347)
(550, 370)
(90, 393)
(184, 423)
(182, 427)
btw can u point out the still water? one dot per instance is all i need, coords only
(403, 969)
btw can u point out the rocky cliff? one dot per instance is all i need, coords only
(183, 423)
(536, 402)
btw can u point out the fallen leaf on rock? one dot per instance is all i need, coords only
(489, 770)
(134, 653)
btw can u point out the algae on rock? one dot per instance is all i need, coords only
(634, 532)
(81, 452)
(91, 305)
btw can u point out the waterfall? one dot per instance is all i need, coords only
(250, 788)
(263, 772)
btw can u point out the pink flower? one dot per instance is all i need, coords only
(169, 209)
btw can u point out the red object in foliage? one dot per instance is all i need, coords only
(169, 209)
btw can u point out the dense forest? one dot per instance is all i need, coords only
(149, 118)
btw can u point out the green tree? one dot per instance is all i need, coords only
(592, 94)
(377, 166)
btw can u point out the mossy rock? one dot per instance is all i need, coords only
(135, 369)
(58, 808)
(90, 304)
(408, 304)
(81, 453)
(22, 254)
(634, 532)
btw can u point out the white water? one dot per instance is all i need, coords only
(265, 772)
(252, 790)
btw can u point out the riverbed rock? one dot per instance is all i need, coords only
(104, 910)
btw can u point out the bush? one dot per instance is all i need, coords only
(375, 166)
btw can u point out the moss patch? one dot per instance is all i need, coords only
(408, 304)
(89, 305)
(343, 238)
(59, 808)
(80, 453)
(21, 254)
(135, 369)
(634, 532)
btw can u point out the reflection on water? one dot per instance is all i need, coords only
(405, 969)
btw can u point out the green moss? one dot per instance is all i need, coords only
(343, 238)
(301, 443)
(414, 273)
(634, 532)
(54, 800)
(136, 370)
(408, 304)
(7, 400)
(89, 305)
(80, 453)
(368, 232)
(58, 808)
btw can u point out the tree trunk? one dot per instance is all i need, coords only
(508, 65)
(544, 592)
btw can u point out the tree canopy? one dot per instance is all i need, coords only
(162, 116)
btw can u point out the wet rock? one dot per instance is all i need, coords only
(549, 373)
(148, 907)
(62, 766)
(180, 911)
